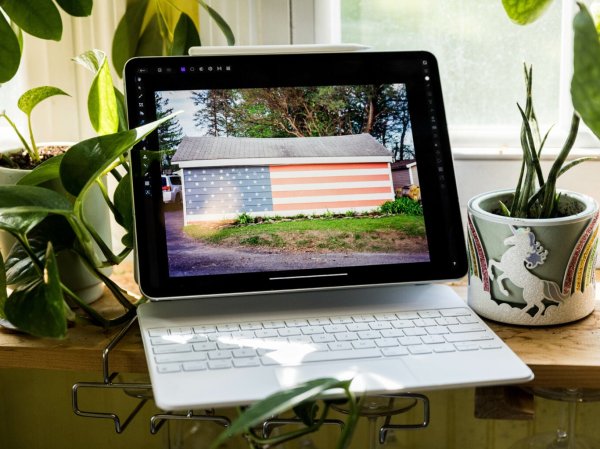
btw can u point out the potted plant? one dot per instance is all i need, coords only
(533, 249)
(46, 213)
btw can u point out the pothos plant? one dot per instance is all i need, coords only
(304, 401)
(45, 221)
(536, 195)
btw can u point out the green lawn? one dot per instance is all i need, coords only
(384, 234)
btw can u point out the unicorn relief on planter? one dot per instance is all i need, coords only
(524, 254)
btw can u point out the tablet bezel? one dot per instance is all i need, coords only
(418, 70)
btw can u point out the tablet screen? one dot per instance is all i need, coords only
(292, 171)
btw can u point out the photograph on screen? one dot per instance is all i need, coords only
(289, 178)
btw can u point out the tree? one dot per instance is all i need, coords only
(214, 110)
(170, 133)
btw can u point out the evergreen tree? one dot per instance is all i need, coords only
(170, 133)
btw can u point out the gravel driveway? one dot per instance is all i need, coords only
(189, 257)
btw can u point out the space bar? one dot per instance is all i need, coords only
(327, 356)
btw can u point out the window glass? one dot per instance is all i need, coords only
(479, 50)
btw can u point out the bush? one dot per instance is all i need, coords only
(245, 219)
(404, 205)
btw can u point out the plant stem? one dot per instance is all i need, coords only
(18, 133)
(549, 201)
(35, 153)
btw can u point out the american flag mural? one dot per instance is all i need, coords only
(283, 183)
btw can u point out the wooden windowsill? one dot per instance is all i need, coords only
(560, 356)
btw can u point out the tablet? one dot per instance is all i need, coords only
(291, 171)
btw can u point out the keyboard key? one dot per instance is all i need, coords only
(341, 320)
(420, 349)
(296, 323)
(424, 322)
(246, 362)
(182, 357)
(289, 331)
(466, 328)
(205, 329)
(392, 333)
(437, 330)
(346, 336)
(228, 327)
(244, 352)
(455, 312)
(468, 336)
(446, 321)
(195, 366)
(407, 315)
(339, 346)
(169, 368)
(380, 325)
(323, 338)
(490, 345)
(158, 332)
(253, 326)
(355, 327)
(181, 330)
(300, 339)
(319, 321)
(363, 344)
(266, 333)
(223, 345)
(429, 314)
(385, 317)
(402, 324)
(334, 328)
(273, 324)
(219, 355)
(312, 330)
(363, 318)
(369, 335)
(446, 347)
(466, 346)
(386, 342)
(170, 349)
(432, 339)
(467, 319)
(207, 346)
(392, 352)
(219, 364)
(406, 341)
(414, 332)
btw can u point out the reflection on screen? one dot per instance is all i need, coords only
(290, 178)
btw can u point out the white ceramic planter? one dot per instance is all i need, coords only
(532, 271)
(73, 272)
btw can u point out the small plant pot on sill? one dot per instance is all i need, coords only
(532, 271)
(72, 270)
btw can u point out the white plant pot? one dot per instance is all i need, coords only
(72, 270)
(532, 271)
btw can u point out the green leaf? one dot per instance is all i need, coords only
(525, 11)
(24, 207)
(121, 110)
(77, 8)
(87, 160)
(40, 18)
(278, 403)
(100, 98)
(39, 308)
(33, 97)
(125, 39)
(124, 204)
(3, 295)
(185, 35)
(221, 23)
(46, 171)
(54, 229)
(585, 86)
(10, 50)
(102, 102)
(151, 41)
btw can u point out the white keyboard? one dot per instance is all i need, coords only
(298, 341)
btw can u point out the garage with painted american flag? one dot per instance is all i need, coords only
(224, 177)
